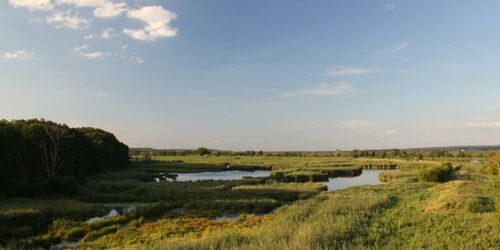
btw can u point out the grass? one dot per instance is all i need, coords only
(407, 212)
(48, 221)
(276, 162)
(389, 216)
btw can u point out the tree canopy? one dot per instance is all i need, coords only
(36, 152)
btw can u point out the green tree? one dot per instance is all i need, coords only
(202, 151)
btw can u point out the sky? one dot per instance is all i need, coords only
(257, 75)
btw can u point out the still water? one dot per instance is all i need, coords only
(222, 175)
(368, 177)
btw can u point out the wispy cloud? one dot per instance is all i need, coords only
(102, 8)
(157, 23)
(101, 95)
(392, 131)
(256, 55)
(68, 20)
(138, 60)
(325, 89)
(356, 124)
(348, 70)
(85, 52)
(390, 6)
(32, 4)
(489, 125)
(400, 47)
(108, 33)
(394, 50)
(18, 55)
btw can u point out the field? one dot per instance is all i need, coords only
(276, 212)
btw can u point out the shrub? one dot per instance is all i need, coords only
(21, 223)
(493, 165)
(489, 169)
(437, 173)
(480, 205)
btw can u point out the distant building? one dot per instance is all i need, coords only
(475, 162)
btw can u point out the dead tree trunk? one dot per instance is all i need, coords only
(52, 150)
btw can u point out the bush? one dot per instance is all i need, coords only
(489, 169)
(480, 205)
(493, 165)
(437, 173)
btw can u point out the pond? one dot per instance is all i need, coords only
(368, 177)
(221, 175)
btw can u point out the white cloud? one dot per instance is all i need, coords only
(356, 124)
(491, 125)
(324, 89)
(18, 55)
(107, 33)
(392, 131)
(394, 50)
(400, 46)
(348, 70)
(93, 55)
(101, 94)
(390, 6)
(80, 48)
(138, 60)
(88, 37)
(157, 22)
(67, 20)
(102, 8)
(84, 52)
(32, 4)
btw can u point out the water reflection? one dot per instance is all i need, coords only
(222, 175)
(368, 177)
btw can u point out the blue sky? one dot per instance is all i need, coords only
(271, 75)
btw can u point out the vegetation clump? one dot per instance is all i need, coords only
(314, 174)
(410, 176)
(440, 173)
(492, 167)
(299, 176)
(480, 204)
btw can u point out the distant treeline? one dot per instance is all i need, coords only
(148, 153)
(39, 156)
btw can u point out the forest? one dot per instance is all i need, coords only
(39, 156)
